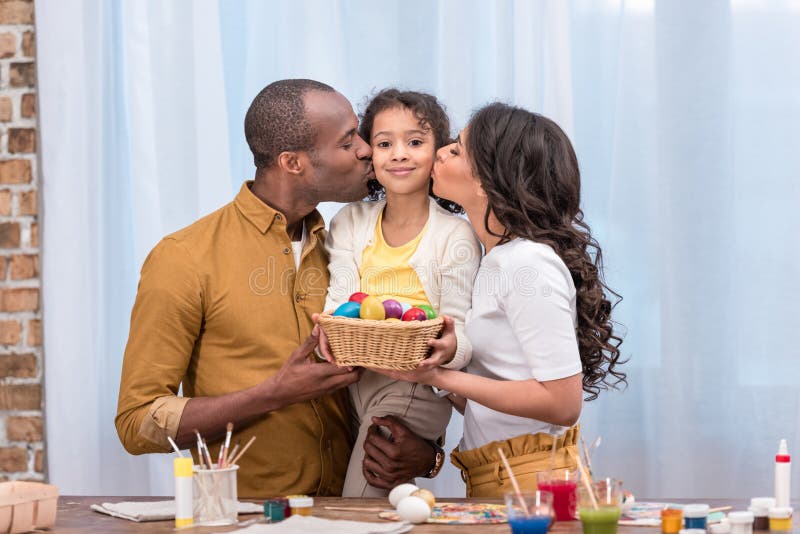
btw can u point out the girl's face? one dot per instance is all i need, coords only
(453, 178)
(402, 151)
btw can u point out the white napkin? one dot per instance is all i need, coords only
(298, 524)
(156, 510)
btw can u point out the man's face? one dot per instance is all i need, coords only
(340, 159)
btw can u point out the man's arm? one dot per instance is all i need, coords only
(298, 380)
(165, 325)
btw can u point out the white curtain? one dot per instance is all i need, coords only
(684, 117)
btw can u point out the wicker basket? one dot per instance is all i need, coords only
(384, 344)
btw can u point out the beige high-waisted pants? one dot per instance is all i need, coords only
(375, 395)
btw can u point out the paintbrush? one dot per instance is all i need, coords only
(244, 449)
(552, 456)
(199, 449)
(175, 446)
(208, 455)
(223, 450)
(232, 454)
(513, 481)
(587, 482)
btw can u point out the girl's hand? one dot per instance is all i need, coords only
(443, 349)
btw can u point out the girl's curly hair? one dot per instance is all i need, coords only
(429, 112)
(529, 171)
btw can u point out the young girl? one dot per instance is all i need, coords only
(406, 245)
(540, 323)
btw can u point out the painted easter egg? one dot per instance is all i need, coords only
(393, 320)
(358, 296)
(425, 495)
(428, 309)
(405, 306)
(348, 309)
(372, 308)
(415, 314)
(393, 309)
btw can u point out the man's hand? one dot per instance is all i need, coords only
(324, 348)
(300, 379)
(389, 462)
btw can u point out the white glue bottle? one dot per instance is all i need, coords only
(783, 475)
(183, 492)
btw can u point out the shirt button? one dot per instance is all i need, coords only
(286, 250)
(298, 297)
(278, 217)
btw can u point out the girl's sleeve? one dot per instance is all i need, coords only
(462, 257)
(538, 306)
(342, 267)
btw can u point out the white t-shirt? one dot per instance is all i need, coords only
(522, 326)
(297, 246)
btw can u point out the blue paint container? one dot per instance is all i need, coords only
(695, 516)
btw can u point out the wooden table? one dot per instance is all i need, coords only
(74, 515)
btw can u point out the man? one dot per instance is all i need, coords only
(224, 308)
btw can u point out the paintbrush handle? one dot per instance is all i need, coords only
(244, 449)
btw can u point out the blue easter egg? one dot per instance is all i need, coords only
(405, 306)
(348, 309)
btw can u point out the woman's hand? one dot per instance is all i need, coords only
(443, 349)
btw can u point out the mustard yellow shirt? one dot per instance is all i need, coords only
(220, 307)
(385, 270)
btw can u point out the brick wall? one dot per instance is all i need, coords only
(21, 425)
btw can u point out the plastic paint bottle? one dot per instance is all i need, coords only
(671, 521)
(720, 528)
(183, 491)
(783, 476)
(780, 518)
(741, 522)
(301, 504)
(695, 516)
(760, 507)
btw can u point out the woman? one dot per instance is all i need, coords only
(540, 323)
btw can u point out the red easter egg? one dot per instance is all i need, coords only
(358, 296)
(415, 314)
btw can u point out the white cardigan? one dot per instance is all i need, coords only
(446, 262)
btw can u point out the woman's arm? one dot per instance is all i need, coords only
(557, 402)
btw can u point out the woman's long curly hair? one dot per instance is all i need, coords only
(430, 113)
(529, 171)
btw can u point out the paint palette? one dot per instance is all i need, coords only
(451, 513)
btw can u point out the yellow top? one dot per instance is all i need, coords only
(385, 270)
(220, 307)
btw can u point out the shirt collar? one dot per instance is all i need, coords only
(262, 216)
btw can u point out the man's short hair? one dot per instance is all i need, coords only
(276, 120)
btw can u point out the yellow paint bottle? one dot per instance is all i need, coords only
(780, 518)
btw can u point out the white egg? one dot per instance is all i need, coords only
(400, 492)
(413, 509)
